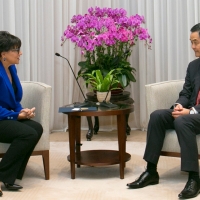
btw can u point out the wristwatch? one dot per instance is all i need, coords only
(192, 111)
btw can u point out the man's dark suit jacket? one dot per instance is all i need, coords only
(188, 96)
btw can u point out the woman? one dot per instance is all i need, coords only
(16, 126)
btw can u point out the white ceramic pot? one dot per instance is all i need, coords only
(102, 95)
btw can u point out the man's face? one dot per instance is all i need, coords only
(195, 42)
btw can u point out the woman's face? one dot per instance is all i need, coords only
(12, 56)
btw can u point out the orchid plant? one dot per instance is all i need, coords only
(106, 37)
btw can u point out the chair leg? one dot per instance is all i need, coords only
(128, 129)
(90, 131)
(45, 156)
(96, 125)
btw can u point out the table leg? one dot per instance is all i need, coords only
(90, 131)
(121, 127)
(74, 125)
(78, 137)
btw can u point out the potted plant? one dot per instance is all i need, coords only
(106, 37)
(102, 85)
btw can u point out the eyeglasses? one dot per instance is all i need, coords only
(15, 50)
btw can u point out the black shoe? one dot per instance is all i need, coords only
(192, 189)
(145, 179)
(12, 186)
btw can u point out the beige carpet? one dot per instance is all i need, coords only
(97, 183)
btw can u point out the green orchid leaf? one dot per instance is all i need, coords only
(124, 80)
(82, 64)
(131, 77)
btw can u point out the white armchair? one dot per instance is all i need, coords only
(164, 95)
(38, 95)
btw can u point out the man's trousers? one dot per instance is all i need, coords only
(186, 127)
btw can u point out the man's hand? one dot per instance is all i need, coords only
(179, 110)
(178, 107)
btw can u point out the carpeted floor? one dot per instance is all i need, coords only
(136, 136)
(97, 183)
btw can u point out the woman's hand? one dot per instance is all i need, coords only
(27, 113)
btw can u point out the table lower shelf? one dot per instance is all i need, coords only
(98, 157)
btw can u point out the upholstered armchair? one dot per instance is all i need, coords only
(163, 95)
(38, 95)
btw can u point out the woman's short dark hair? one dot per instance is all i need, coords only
(196, 28)
(8, 41)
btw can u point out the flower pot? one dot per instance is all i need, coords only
(101, 96)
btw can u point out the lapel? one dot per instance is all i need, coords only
(197, 82)
(6, 79)
(15, 78)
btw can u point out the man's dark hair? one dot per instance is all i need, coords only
(8, 41)
(196, 28)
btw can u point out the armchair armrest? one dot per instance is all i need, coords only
(38, 95)
(162, 95)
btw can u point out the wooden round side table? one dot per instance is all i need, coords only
(99, 157)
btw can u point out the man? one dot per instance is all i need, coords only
(184, 117)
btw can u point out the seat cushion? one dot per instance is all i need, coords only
(171, 142)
